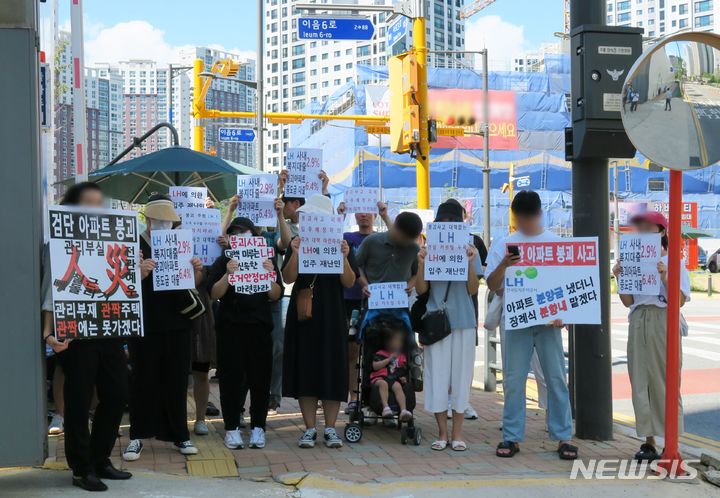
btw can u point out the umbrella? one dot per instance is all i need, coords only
(135, 179)
(689, 232)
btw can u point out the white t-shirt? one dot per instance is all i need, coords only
(661, 300)
(498, 249)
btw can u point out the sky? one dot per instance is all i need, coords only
(156, 29)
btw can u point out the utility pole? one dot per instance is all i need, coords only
(78, 91)
(422, 160)
(260, 88)
(486, 148)
(198, 141)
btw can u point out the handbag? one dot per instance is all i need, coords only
(435, 324)
(305, 302)
(493, 315)
(192, 307)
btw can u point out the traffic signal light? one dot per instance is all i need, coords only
(404, 106)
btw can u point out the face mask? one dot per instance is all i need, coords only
(160, 225)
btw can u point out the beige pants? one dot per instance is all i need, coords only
(646, 351)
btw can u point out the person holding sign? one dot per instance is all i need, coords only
(518, 345)
(97, 365)
(160, 361)
(315, 358)
(647, 339)
(450, 362)
(244, 341)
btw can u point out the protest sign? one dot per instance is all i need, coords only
(250, 252)
(172, 251)
(257, 198)
(554, 280)
(188, 197)
(304, 166)
(361, 200)
(206, 226)
(321, 238)
(95, 280)
(639, 256)
(388, 295)
(447, 251)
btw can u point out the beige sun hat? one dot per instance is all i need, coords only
(317, 203)
(160, 207)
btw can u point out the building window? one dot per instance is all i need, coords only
(623, 5)
(298, 63)
(623, 17)
(683, 9)
(683, 23)
(703, 21)
(704, 6)
(363, 51)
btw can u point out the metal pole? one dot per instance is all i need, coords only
(422, 161)
(78, 91)
(260, 88)
(591, 357)
(486, 146)
(616, 223)
(198, 143)
(170, 94)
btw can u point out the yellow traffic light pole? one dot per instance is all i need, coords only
(422, 159)
(509, 187)
(198, 106)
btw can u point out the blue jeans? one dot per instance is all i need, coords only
(517, 350)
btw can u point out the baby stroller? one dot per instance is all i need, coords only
(369, 404)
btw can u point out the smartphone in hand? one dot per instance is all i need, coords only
(514, 250)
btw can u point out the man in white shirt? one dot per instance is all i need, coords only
(518, 345)
(668, 99)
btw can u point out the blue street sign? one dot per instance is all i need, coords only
(342, 28)
(236, 135)
(397, 31)
(522, 181)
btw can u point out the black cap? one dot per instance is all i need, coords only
(242, 223)
(450, 210)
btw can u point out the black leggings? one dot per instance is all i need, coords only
(244, 352)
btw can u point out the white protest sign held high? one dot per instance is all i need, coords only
(304, 166)
(172, 251)
(639, 256)
(388, 295)
(554, 280)
(321, 237)
(250, 253)
(361, 200)
(446, 258)
(206, 226)
(257, 198)
(95, 279)
(188, 197)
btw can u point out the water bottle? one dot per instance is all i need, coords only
(354, 322)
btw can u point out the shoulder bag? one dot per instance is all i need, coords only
(305, 302)
(435, 324)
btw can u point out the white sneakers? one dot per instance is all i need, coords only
(233, 440)
(186, 448)
(257, 438)
(200, 428)
(57, 425)
(133, 450)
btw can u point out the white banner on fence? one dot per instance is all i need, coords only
(362, 200)
(172, 251)
(304, 166)
(388, 295)
(95, 278)
(188, 197)
(554, 280)
(250, 252)
(321, 236)
(257, 198)
(639, 256)
(206, 226)
(447, 251)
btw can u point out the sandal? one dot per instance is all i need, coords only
(387, 412)
(567, 451)
(439, 445)
(511, 448)
(405, 416)
(647, 453)
(458, 446)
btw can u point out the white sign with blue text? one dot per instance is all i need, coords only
(446, 258)
(388, 295)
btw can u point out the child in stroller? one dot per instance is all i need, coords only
(390, 373)
(384, 344)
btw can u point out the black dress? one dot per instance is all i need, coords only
(315, 360)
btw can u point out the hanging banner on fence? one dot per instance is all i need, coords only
(447, 251)
(321, 238)
(250, 252)
(388, 295)
(172, 251)
(362, 200)
(554, 280)
(95, 277)
(206, 226)
(304, 167)
(188, 197)
(639, 256)
(257, 198)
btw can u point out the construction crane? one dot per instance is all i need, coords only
(474, 7)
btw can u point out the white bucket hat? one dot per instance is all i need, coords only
(317, 203)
